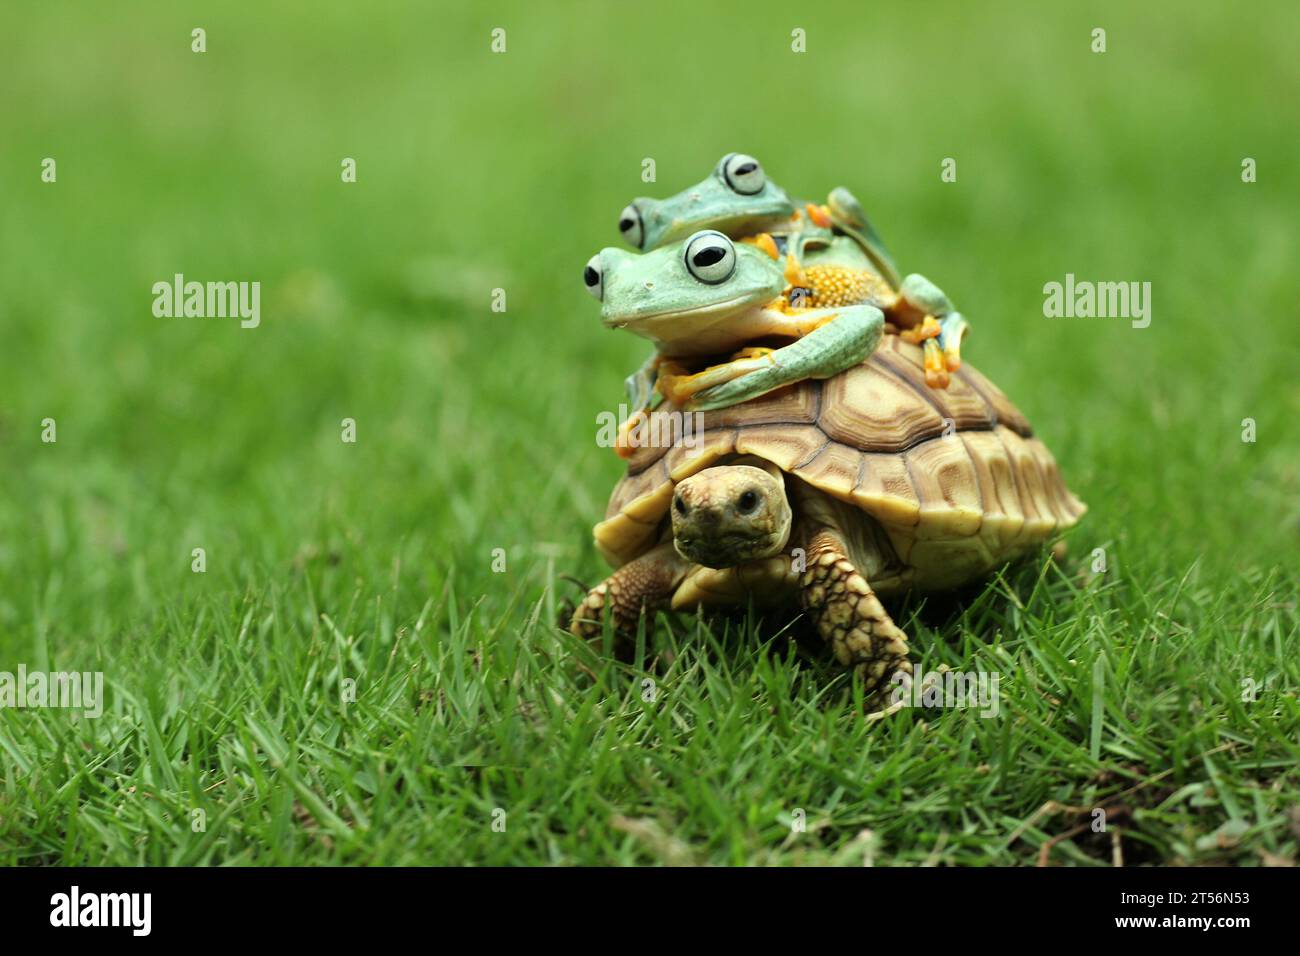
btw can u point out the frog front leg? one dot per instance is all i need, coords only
(640, 387)
(842, 339)
(918, 297)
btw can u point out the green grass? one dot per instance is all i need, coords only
(372, 562)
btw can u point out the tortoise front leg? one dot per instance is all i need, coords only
(848, 615)
(645, 585)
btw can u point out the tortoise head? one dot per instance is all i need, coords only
(729, 514)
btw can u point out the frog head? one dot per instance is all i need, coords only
(737, 199)
(690, 297)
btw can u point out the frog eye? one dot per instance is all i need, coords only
(629, 224)
(743, 174)
(592, 278)
(710, 257)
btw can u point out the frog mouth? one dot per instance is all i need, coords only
(643, 319)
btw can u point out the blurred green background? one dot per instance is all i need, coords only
(476, 429)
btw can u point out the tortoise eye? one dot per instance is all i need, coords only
(747, 501)
(710, 257)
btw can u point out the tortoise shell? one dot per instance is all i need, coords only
(955, 477)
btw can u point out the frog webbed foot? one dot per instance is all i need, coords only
(952, 329)
(927, 318)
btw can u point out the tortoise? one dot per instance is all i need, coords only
(825, 494)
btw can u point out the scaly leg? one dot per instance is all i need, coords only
(645, 585)
(848, 615)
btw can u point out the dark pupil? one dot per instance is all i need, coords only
(590, 276)
(625, 224)
(709, 256)
(745, 168)
(748, 500)
(681, 506)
